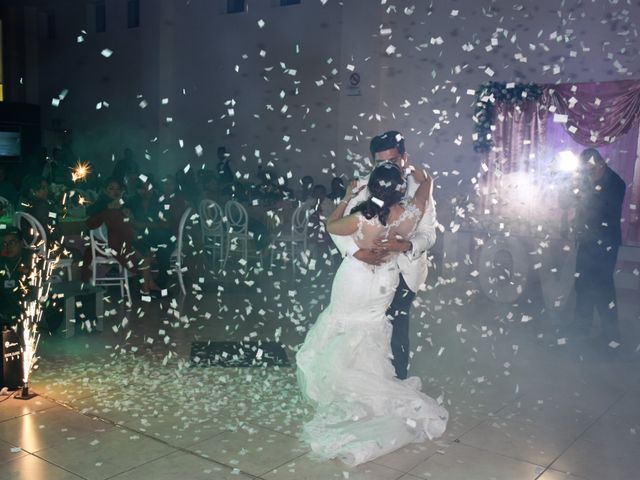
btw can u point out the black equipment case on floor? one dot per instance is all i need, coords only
(11, 365)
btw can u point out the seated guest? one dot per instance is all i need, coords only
(143, 205)
(307, 188)
(108, 210)
(319, 201)
(266, 192)
(285, 192)
(15, 264)
(235, 191)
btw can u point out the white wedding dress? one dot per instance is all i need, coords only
(344, 365)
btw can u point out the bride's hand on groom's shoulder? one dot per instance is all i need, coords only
(353, 190)
(419, 174)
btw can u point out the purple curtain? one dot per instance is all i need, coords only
(597, 113)
(514, 160)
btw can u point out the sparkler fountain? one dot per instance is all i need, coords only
(35, 286)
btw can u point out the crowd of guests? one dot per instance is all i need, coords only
(270, 192)
(141, 214)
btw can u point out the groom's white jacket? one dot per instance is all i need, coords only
(413, 264)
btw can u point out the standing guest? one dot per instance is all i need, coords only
(63, 160)
(224, 169)
(337, 190)
(126, 171)
(319, 207)
(125, 166)
(599, 237)
(15, 263)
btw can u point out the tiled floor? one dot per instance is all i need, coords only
(127, 404)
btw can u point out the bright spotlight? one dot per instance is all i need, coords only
(568, 161)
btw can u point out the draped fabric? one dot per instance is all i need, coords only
(597, 113)
(515, 164)
(521, 187)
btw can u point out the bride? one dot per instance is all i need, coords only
(344, 365)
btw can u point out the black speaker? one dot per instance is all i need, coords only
(11, 365)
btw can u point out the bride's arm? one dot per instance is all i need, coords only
(337, 223)
(343, 226)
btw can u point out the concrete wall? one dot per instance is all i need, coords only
(187, 53)
(416, 61)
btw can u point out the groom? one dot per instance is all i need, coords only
(412, 261)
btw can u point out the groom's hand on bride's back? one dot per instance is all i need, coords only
(372, 256)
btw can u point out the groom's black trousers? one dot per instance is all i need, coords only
(399, 312)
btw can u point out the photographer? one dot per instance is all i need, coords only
(598, 237)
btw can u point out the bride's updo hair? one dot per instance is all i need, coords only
(386, 188)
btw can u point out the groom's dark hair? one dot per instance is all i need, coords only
(387, 141)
